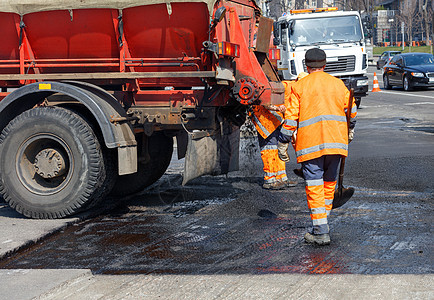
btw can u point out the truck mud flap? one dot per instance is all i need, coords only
(211, 154)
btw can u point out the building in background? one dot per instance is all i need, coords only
(387, 27)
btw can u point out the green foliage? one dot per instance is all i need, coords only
(379, 50)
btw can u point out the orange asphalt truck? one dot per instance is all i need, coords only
(92, 94)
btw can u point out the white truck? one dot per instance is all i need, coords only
(338, 33)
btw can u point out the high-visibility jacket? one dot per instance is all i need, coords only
(265, 121)
(267, 124)
(287, 84)
(317, 110)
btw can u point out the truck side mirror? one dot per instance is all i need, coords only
(291, 26)
(276, 29)
(276, 33)
(219, 15)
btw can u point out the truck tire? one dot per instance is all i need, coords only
(52, 163)
(160, 148)
(110, 158)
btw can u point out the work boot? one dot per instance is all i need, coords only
(290, 183)
(319, 239)
(277, 185)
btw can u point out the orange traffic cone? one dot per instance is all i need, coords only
(376, 87)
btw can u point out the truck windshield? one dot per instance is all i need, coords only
(328, 30)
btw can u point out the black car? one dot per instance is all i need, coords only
(385, 57)
(409, 70)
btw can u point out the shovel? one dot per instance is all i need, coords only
(342, 195)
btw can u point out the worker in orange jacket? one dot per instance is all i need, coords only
(283, 108)
(267, 122)
(317, 113)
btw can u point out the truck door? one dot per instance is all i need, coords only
(283, 64)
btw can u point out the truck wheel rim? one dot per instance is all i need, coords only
(44, 164)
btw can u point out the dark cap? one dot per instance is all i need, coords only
(315, 58)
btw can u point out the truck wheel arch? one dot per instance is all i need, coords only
(102, 105)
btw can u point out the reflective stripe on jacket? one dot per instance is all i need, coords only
(265, 121)
(318, 104)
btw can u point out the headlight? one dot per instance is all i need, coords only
(417, 74)
(362, 82)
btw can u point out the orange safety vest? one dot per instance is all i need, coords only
(265, 121)
(317, 110)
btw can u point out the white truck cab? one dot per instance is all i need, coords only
(338, 33)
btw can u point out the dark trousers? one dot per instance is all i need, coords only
(320, 175)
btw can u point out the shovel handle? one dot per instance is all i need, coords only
(342, 166)
(341, 173)
(350, 106)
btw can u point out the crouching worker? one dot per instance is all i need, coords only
(317, 111)
(267, 123)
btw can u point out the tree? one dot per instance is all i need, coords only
(408, 15)
(299, 4)
(276, 8)
(368, 7)
(425, 14)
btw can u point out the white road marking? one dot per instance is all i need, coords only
(378, 106)
(410, 95)
(420, 103)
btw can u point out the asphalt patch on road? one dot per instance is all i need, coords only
(195, 234)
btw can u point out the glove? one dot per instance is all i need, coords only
(282, 109)
(282, 150)
(294, 139)
(350, 135)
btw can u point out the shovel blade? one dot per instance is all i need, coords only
(342, 196)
